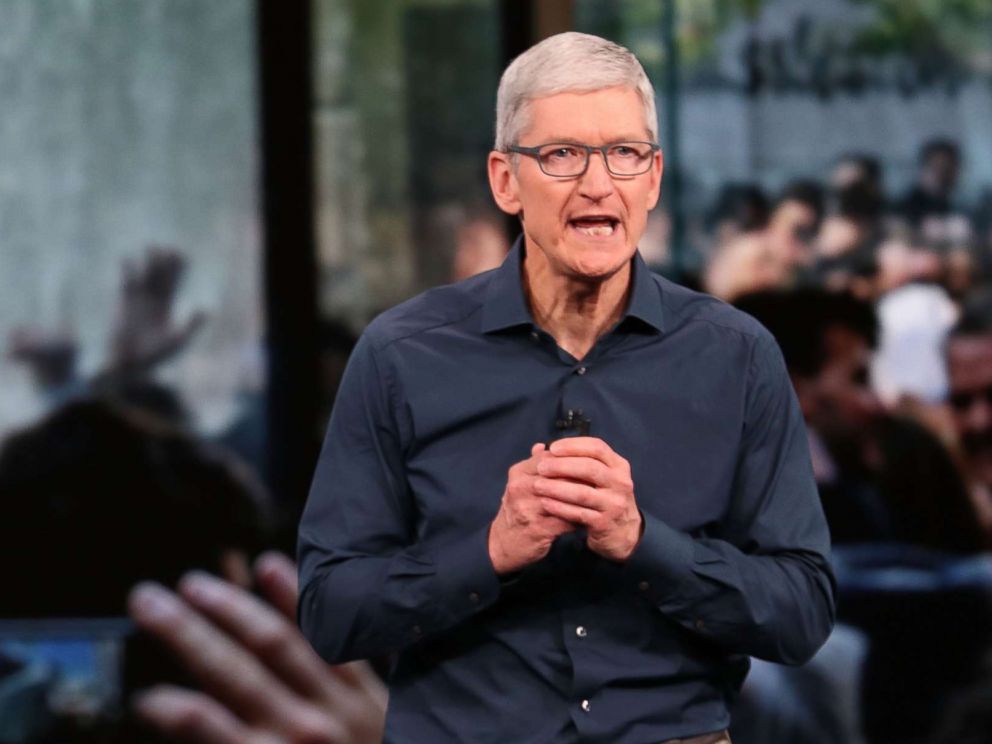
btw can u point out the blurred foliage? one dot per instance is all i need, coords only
(943, 33)
(951, 31)
(639, 24)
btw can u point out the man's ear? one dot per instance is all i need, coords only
(657, 168)
(503, 182)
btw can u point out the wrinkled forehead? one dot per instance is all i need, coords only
(969, 362)
(578, 115)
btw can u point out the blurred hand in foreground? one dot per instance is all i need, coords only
(262, 682)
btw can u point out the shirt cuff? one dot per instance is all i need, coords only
(661, 563)
(465, 575)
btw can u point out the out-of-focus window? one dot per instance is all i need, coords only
(405, 98)
(128, 203)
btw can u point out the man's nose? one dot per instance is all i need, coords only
(596, 183)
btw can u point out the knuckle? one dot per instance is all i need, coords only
(273, 640)
(190, 721)
(311, 727)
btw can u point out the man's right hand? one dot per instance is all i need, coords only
(523, 532)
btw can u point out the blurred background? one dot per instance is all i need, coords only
(203, 203)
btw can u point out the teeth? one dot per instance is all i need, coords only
(606, 229)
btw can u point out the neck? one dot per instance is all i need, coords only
(575, 311)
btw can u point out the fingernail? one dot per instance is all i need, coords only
(153, 602)
(272, 560)
(201, 586)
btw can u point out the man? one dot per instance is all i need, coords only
(969, 371)
(933, 192)
(603, 587)
(827, 339)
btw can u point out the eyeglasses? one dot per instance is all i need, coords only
(570, 159)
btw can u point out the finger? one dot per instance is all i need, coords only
(586, 447)
(366, 701)
(575, 514)
(557, 526)
(194, 717)
(277, 578)
(225, 669)
(262, 630)
(580, 469)
(529, 466)
(578, 494)
(360, 675)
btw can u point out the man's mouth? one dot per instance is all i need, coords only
(595, 225)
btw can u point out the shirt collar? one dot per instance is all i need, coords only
(506, 307)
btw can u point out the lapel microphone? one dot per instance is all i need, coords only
(574, 420)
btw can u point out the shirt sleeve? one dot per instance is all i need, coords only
(763, 586)
(368, 586)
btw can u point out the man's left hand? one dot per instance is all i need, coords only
(584, 481)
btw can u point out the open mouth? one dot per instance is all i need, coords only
(595, 225)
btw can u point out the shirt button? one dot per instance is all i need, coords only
(580, 371)
(473, 596)
(644, 586)
(533, 335)
(416, 630)
(700, 625)
(581, 632)
(585, 706)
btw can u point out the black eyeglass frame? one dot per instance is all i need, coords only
(535, 152)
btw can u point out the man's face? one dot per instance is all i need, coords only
(969, 367)
(837, 400)
(586, 227)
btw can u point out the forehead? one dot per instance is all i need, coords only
(594, 117)
(969, 362)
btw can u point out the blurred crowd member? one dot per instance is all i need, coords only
(937, 178)
(914, 321)
(969, 364)
(740, 208)
(480, 245)
(881, 478)
(770, 256)
(826, 340)
(145, 334)
(133, 496)
(861, 170)
(855, 221)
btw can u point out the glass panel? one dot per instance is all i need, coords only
(405, 94)
(129, 125)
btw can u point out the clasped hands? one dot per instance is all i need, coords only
(577, 482)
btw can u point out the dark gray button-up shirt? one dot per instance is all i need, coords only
(442, 395)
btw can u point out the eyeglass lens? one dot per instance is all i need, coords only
(622, 159)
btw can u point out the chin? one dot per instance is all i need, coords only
(599, 262)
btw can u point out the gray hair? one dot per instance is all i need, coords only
(569, 62)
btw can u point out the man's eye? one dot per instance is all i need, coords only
(625, 151)
(561, 153)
